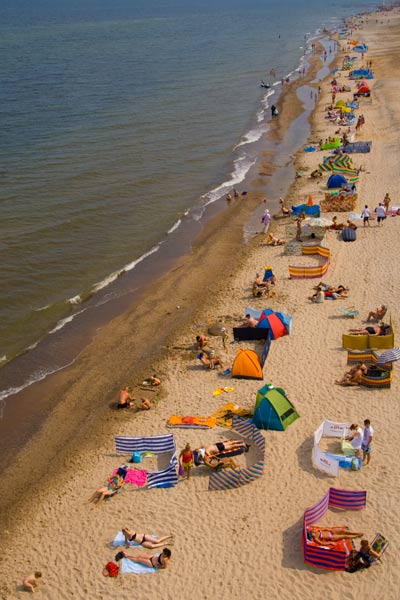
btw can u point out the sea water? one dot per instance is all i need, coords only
(121, 121)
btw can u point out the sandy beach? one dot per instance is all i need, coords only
(243, 542)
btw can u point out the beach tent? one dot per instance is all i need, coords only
(336, 181)
(246, 365)
(273, 410)
(274, 321)
(363, 90)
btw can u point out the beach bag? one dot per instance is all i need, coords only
(349, 235)
(111, 570)
(181, 470)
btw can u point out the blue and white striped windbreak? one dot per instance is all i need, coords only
(159, 444)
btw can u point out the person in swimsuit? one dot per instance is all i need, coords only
(155, 561)
(114, 484)
(353, 377)
(125, 398)
(377, 314)
(201, 341)
(322, 535)
(226, 446)
(142, 539)
(376, 330)
(211, 361)
(186, 459)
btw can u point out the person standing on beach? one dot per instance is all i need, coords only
(365, 215)
(366, 446)
(186, 460)
(266, 220)
(381, 214)
(386, 202)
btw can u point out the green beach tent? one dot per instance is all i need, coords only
(273, 410)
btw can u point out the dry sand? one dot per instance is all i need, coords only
(245, 542)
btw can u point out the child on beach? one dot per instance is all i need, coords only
(32, 581)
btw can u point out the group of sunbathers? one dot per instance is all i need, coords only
(324, 290)
(263, 287)
(214, 456)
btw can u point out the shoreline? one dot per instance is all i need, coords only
(252, 514)
(26, 402)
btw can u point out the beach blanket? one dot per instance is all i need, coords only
(119, 540)
(225, 414)
(135, 477)
(195, 422)
(128, 566)
(341, 545)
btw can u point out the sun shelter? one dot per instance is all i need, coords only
(233, 478)
(314, 271)
(273, 409)
(336, 180)
(330, 462)
(247, 365)
(363, 90)
(332, 557)
(158, 444)
(361, 147)
(276, 323)
(311, 211)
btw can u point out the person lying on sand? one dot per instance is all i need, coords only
(351, 224)
(142, 539)
(211, 361)
(125, 398)
(353, 377)
(336, 292)
(32, 581)
(155, 561)
(326, 534)
(377, 314)
(381, 329)
(272, 240)
(260, 290)
(114, 484)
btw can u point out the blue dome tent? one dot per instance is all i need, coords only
(336, 181)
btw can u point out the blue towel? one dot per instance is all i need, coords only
(128, 566)
(119, 540)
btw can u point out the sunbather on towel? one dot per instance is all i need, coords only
(323, 535)
(155, 561)
(381, 329)
(142, 539)
(377, 314)
(114, 484)
(272, 240)
(226, 446)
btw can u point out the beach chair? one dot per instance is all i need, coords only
(379, 544)
(349, 312)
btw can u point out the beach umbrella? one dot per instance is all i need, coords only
(389, 356)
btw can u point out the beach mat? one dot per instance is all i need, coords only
(128, 566)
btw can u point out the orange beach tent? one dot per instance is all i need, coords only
(247, 365)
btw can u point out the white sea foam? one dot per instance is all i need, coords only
(63, 322)
(133, 264)
(174, 226)
(38, 376)
(75, 300)
(42, 308)
(251, 136)
(241, 165)
(3, 358)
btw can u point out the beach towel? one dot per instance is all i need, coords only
(135, 476)
(341, 545)
(225, 414)
(119, 540)
(195, 422)
(220, 390)
(128, 566)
